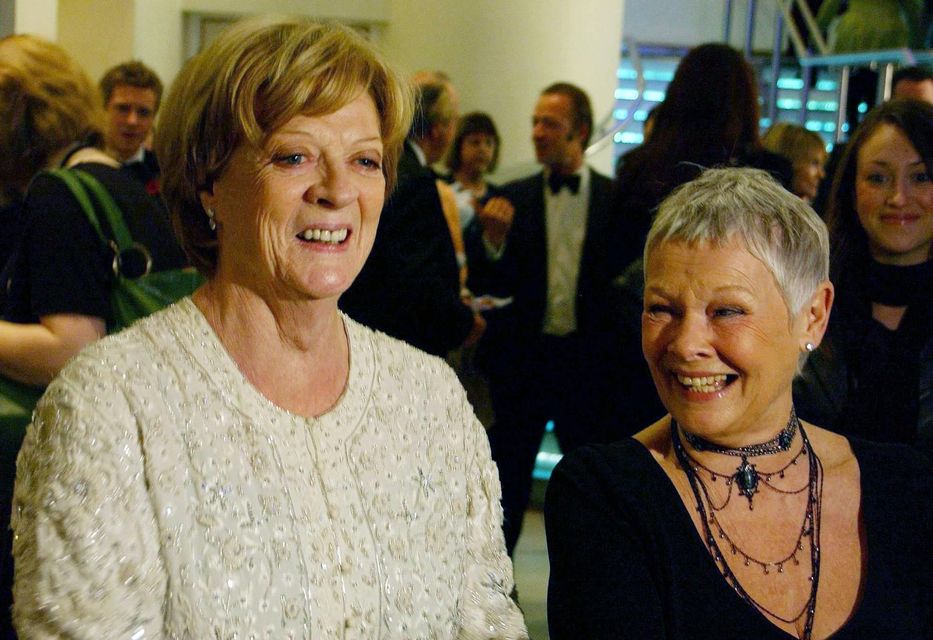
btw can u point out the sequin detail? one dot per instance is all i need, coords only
(159, 495)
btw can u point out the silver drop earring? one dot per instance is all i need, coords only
(210, 219)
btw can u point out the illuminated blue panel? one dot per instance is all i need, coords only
(632, 94)
(628, 137)
(790, 83)
(622, 114)
(651, 75)
(822, 105)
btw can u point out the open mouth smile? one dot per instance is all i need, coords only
(324, 236)
(705, 384)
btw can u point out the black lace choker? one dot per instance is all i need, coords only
(896, 285)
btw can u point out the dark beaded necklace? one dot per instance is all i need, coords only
(746, 475)
(810, 528)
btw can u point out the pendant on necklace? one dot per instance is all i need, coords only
(746, 477)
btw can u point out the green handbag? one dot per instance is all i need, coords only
(16, 403)
(131, 298)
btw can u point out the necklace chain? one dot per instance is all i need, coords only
(746, 475)
(765, 477)
(810, 528)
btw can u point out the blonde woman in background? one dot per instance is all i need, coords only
(806, 152)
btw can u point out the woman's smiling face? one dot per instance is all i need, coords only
(719, 341)
(894, 198)
(298, 217)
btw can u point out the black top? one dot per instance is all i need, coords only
(11, 224)
(147, 172)
(61, 266)
(866, 380)
(409, 287)
(628, 562)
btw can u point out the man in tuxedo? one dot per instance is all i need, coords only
(409, 287)
(552, 254)
(132, 92)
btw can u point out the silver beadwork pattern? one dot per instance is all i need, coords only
(159, 495)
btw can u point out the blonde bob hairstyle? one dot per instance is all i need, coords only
(48, 102)
(749, 206)
(255, 77)
(793, 142)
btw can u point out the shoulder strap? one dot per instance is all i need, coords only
(80, 182)
(82, 197)
(111, 211)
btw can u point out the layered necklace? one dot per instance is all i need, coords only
(746, 475)
(749, 480)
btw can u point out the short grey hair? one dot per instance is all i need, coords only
(748, 205)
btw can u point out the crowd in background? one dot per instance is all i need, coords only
(531, 290)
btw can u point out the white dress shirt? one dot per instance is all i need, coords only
(565, 219)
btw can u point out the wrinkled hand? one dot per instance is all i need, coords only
(496, 219)
(477, 331)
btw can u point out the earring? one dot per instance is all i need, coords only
(810, 346)
(210, 219)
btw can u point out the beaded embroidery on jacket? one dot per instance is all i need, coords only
(161, 494)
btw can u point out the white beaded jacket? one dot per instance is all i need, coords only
(160, 495)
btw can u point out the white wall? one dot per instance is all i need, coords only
(345, 10)
(38, 17)
(500, 54)
(157, 36)
(98, 33)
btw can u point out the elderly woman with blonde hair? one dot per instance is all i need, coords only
(250, 462)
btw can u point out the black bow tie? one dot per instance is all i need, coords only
(556, 182)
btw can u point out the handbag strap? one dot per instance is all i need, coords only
(79, 183)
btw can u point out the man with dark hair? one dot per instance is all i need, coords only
(913, 82)
(553, 256)
(409, 287)
(132, 92)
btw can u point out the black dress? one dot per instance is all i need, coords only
(627, 561)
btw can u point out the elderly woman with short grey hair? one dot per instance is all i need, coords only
(250, 462)
(730, 517)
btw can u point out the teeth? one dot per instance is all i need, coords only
(324, 235)
(705, 384)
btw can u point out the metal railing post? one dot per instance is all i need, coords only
(749, 27)
(885, 81)
(843, 99)
(775, 67)
(807, 76)
(727, 21)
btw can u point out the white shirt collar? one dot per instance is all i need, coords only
(139, 156)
